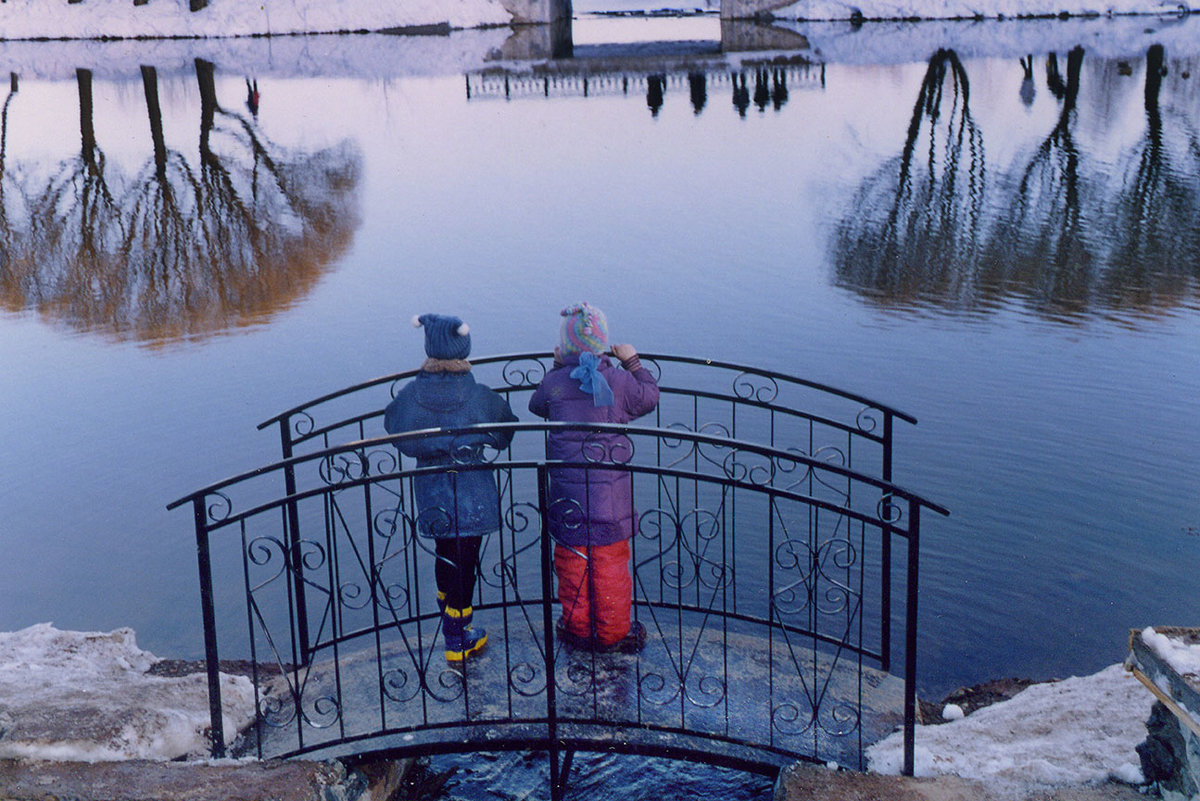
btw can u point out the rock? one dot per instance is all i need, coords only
(145, 780)
(1164, 754)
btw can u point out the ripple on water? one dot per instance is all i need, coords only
(509, 776)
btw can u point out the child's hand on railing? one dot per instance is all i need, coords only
(624, 352)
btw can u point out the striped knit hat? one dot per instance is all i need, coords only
(584, 329)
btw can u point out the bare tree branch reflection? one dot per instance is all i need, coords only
(1041, 245)
(185, 250)
(76, 231)
(160, 208)
(914, 231)
(9, 255)
(1157, 212)
(275, 223)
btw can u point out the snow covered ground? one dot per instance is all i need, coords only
(108, 19)
(1081, 730)
(86, 696)
(94, 685)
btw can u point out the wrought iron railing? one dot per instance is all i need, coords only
(764, 574)
(721, 398)
(715, 397)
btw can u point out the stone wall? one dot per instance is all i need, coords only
(1170, 754)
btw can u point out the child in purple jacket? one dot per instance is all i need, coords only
(590, 513)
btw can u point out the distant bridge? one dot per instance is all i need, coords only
(775, 570)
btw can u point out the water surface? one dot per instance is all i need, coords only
(1004, 248)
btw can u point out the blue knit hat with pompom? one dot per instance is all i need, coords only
(446, 337)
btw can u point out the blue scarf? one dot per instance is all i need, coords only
(592, 381)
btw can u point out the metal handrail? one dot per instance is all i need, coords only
(646, 357)
(698, 438)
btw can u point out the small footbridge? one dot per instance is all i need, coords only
(775, 570)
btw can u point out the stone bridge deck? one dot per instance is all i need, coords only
(691, 689)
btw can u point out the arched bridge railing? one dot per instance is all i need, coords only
(723, 399)
(761, 575)
(704, 395)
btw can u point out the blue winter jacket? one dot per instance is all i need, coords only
(451, 503)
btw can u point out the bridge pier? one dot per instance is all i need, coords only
(550, 12)
(548, 34)
(752, 9)
(538, 12)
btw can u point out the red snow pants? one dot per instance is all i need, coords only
(595, 589)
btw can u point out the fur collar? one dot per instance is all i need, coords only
(446, 366)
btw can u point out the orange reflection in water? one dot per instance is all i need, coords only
(189, 245)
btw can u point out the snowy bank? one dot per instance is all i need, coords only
(1077, 731)
(86, 696)
(1182, 656)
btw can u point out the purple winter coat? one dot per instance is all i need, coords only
(591, 506)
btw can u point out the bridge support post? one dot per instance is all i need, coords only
(538, 12)
(558, 773)
(211, 660)
(296, 557)
(910, 641)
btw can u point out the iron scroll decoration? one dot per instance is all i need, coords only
(755, 387)
(219, 509)
(523, 372)
(684, 562)
(303, 424)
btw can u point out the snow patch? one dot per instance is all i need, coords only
(1078, 731)
(1183, 658)
(86, 696)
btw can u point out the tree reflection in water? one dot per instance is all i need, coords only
(13, 212)
(1040, 247)
(914, 231)
(180, 251)
(74, 260)
(1157, 212)
(1057, 231)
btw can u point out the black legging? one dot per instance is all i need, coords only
(455, 567)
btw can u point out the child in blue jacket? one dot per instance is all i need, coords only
(455, 508)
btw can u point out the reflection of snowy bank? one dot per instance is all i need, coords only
(95, 19)
(68, 695)
(27, 19)
(379, 56)
(912, 42)
(353, 56)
